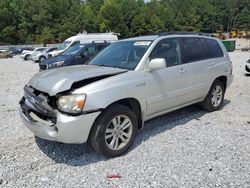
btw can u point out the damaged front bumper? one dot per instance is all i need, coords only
(55, 126)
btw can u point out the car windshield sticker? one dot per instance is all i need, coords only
(142, 43)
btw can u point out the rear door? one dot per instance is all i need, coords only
(166, 88)
(195, 55)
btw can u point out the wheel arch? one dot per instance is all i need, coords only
(223, 79)
(42, 56)
(134, 105)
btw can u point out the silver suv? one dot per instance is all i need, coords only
(106, 101)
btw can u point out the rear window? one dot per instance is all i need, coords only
(214, 48)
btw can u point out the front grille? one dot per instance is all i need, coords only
(39, 101)
(42, 67)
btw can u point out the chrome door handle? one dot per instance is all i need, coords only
(211, 64)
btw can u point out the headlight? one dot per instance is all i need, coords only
(71, 103)
(56, 64)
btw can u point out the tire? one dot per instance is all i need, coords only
(42, 58)
(27, 57)
(215, 97)
(105, 139)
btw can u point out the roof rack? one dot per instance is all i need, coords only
(185, 33)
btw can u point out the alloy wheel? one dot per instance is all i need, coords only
(118, 132)
(217, 95)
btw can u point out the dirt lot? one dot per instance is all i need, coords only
(185, 148)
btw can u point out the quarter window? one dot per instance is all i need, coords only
(167, 49)
(214, 48)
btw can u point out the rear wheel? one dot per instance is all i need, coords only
(215, 97)
(114, 131)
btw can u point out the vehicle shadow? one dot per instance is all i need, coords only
(81, 155)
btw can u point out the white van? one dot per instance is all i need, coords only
(84, 39)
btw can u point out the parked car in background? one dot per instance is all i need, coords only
(76, 55)
(5, 54)
(83, 39)
(26, 54)
(27, 48)
(40, 56)
(247, 67)
(15, 51)
(131, 81)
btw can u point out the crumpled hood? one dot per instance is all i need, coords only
(58, 80)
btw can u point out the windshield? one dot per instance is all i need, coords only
(39, 49)
(64, 45)
(73, 50)
(125, 54)
(45, 50)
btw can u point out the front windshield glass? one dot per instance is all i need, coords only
(39, 49)
(124, 54)
(73, 50)
(45, 50)
(64, 45)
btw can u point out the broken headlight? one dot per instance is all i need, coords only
(71, 103)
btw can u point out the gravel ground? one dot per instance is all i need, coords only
(185, 148)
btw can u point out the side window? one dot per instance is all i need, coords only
(50, 50)
(89, 51)
(193, 49)
(214, 48)
(75, 43)
(168, 49)
(101, 46)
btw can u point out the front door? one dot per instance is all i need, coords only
(166, 88)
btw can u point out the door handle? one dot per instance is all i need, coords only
(182, 70)
(211, 64)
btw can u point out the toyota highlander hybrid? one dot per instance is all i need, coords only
(105, 102)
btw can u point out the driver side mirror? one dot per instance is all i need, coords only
(157, 64)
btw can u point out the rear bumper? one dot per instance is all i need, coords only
(66, 129)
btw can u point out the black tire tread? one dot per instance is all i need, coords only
(206, 104)
(95, 135)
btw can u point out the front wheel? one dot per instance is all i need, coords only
(27, 57)
(42, 58)
(114, 131)
(215, 97)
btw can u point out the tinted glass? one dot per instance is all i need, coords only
(51, 49)
(168, 49)
(124, 54)
(193, 49)
(89, 51)
(214, 48)
(101, 46)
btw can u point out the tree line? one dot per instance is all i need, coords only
(52, 21)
